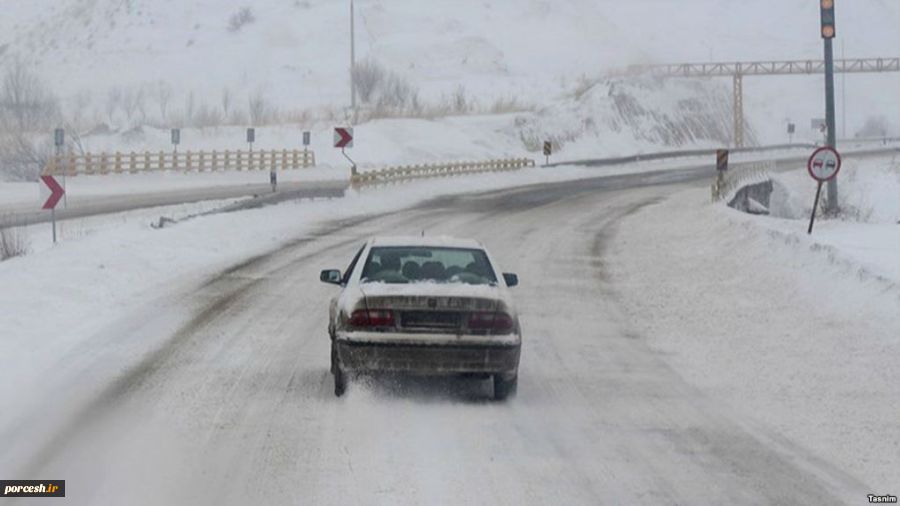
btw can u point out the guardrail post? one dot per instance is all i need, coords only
(73, 166)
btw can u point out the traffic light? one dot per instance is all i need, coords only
(828, 25)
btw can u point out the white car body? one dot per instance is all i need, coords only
(433, 327)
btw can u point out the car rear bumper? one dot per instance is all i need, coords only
(429, 358)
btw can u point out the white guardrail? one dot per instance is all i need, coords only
(187, 161)
(409, 172)
(728, 182)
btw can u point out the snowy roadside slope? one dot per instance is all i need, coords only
(771, 318)
(866, 238)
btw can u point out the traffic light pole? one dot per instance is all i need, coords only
(832, 203)
(831, 206)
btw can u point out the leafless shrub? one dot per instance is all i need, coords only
(239, 19)
(208, 117)
(396, 93)
(260, 111)
(507, 105)
(25, 103)
(460, 102)
(875, 126)
(238, 117)
(13, 241)
(368, 77)
(21, 158)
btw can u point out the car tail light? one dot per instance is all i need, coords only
(372, 318)
(497, 323)
(503, 323)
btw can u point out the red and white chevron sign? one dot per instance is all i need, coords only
(52, 191)
(343, 137)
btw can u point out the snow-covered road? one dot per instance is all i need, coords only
(235, 406)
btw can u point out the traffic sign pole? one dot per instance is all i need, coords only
(60, 140)
(812, 218)
(352, 163)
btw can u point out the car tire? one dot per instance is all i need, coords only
(504, 388)
(340, 382)
(340, 379)
(334, 364)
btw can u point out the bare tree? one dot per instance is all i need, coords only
(129, 103)
(80, 104)
(190, 108)
(163, 97)
(226, 101)
(25, 101)
(22, 158)
(141, 103)
(113, 102)
(259, 108)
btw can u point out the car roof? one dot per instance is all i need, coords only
(434, 241)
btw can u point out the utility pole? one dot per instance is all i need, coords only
(843, 94)
(352, 60)
(828, 34)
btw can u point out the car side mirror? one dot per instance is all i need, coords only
(332, 276)
(510, 279)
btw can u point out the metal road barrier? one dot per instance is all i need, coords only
(188, 161)
(740, 174)
(403, 173)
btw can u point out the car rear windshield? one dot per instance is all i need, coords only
(428, 264)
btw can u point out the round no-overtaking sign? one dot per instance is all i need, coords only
(824, 164)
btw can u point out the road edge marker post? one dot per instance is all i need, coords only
(59, 140)
(56, 193)
(721, 168)
(820, 169)
(176, 140)
(343, 138)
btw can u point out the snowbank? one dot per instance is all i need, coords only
(801, 329)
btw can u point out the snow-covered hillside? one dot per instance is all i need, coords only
(295, 52)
